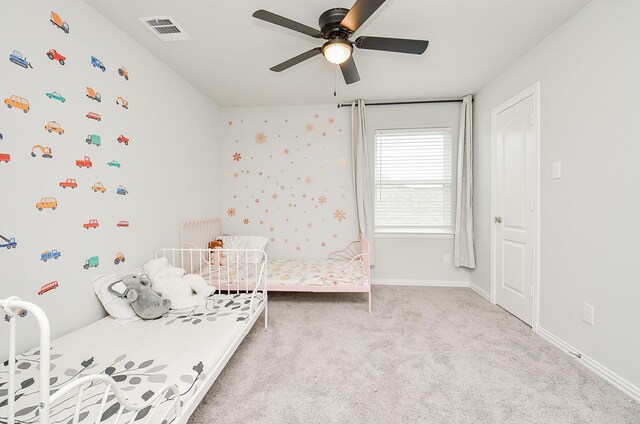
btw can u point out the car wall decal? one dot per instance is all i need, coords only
(93, 139)
(94, 116)
(54, 95)
(48, 287)
(93, 94)
(54, 127)
(5, 157)
(44, 151)
(98, 187)
(69, 183)
(50, 254)
(48, 202)
(57, 21)
(20, 60)
(84, 163)
(122, 71)
(123, 139)
(119, 258)
(53, 54)
(92, 262)
(17, 102)
(93, 223)
(96, 63)
(120, 101)
(7, 242)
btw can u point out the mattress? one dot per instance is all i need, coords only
(291, 272)
(181, 348)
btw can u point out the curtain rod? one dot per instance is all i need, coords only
(414, 102)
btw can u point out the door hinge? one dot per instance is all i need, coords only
(532, 119)
(531, 291)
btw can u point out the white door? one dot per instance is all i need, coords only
(515, 222)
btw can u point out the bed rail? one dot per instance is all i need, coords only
(231, 271)
(197, 234)
(14, 307)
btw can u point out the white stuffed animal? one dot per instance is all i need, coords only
(172, 283)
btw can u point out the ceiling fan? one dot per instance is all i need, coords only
(337, 26)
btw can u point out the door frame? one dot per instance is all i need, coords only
(534, 91)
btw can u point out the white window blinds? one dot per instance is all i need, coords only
(413, 181)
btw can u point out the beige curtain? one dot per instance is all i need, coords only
(362, 173)
(463, 241)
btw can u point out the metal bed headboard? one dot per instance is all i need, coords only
(198, 234)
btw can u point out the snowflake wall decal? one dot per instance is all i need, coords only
(237, 156)
(231, 212)
(340, 215)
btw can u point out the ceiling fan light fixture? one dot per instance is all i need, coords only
(337, 51)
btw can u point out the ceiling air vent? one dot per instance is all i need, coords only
(165, 28)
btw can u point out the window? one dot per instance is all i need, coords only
(413, 181)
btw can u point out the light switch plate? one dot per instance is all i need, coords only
(587, 313)
(556, 171)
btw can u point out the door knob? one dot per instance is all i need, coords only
(498, 219)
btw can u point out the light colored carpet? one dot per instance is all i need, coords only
(425, 355)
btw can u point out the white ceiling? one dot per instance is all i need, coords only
(230, 53)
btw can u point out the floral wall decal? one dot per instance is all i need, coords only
(292, 181)
(261, 138)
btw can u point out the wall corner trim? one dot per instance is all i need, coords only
(613, 378)
(476, 288)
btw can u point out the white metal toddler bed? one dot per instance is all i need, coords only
(147, 372)
(345, 271)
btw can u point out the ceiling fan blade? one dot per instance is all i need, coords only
(398, 45)
(359, 13)
(287, 23)
(295, 60)
(350, 71)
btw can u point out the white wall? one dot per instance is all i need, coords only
(172, 128)
(318, 142)
(588, 71)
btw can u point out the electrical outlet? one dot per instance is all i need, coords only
(556, 170)
(447, 258)
(587, 313)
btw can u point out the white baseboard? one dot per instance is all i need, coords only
(613, 378)
(480, 291)
(422, 283)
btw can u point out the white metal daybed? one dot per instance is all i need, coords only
(141, 372)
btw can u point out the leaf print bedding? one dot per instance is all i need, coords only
(180, 348)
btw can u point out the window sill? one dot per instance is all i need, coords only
(413, 235)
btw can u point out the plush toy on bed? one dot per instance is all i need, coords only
(217, 256)
(137, 290)
(172, 283)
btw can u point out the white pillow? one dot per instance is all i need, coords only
(118, 307)
(154, 266)
(245, 242)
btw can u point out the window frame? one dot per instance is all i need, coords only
(407, 231)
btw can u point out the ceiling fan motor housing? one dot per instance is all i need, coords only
(330, 24)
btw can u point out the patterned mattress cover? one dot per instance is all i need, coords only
(292, 272)
(181, 348)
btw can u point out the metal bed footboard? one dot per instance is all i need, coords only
(12, 307)
(244, 270)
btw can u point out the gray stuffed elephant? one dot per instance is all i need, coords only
(144, 301)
